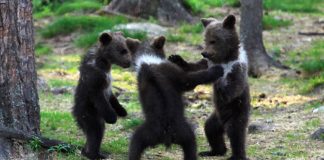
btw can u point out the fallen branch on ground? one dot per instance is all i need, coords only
(44, 142)
(311, 33)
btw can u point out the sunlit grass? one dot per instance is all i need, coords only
(69, 24)
(78, 6)
(270, 22)
(292, 5)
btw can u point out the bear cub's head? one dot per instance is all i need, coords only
(113, 49)
(221, 40)
(152, 48)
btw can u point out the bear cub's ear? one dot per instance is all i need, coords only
(105, 38)
(229, 22)
(158, 43)
(206, 21)
(132, 44)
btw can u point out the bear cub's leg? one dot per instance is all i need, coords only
(94, 130)
(214, 131)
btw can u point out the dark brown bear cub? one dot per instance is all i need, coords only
(95, 103)
(161, 85)
(231, 92)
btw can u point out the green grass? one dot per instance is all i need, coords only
(292, 5)
(79, 6)
(313, 66)
(175, 38)
(60, 125)
(59, 82)
(191, 28)
(68, 24)
(312, 124)
(270, 22)
(60, 64)
(88, 39)
(199, 6)
(42, 49)
(311, 62)
(131, 123)
(313, 59)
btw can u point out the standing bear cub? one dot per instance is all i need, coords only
(161, 85)
(95, 103)
(231, 92)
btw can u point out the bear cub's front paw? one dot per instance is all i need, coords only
(121, 111)
(177, 60)
(111, 118)
(216, 71)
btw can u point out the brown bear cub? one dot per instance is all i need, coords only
(161, 85)
(95, 103)
(231, 92)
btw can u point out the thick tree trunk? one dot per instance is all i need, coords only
(251, 37)
(168, 11)
(19, 107)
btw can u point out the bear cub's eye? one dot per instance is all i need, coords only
(124, 51)
(212, 42)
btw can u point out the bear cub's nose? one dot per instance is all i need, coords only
(204, 54)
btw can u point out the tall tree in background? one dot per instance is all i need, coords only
(19, 109)
(168, 11)
(251, 37)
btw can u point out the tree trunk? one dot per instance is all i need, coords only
(167, 11)
(251, 37)
(19, 109)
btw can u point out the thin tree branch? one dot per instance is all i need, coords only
(311, 33)
(20, 135)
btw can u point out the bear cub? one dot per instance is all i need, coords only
(95, 103)
(231, 92)
(161, 85)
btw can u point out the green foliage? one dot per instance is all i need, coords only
(131, 123)
(175, 38)
(270, 22)
(42, 49)
(59, 125)
(189, 28)
(69, 24)
(66, 148)
(312, 66)
(311, 62)
(59, 82)
(312, 83)
(313, 123)
(313, 58)
(118, 146)
(78, 6)
(199, 6)
(292, 5)
(60, 64)
(88, 39)
(35, 144)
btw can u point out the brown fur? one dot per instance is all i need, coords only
(231, 93)
(95, 103)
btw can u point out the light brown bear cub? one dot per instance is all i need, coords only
(231, 92)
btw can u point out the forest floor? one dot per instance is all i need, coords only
(284, 101)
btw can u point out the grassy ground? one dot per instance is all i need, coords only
(65, 31)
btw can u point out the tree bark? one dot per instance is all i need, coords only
(251, 38)
(168, 11)
(19, 109)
